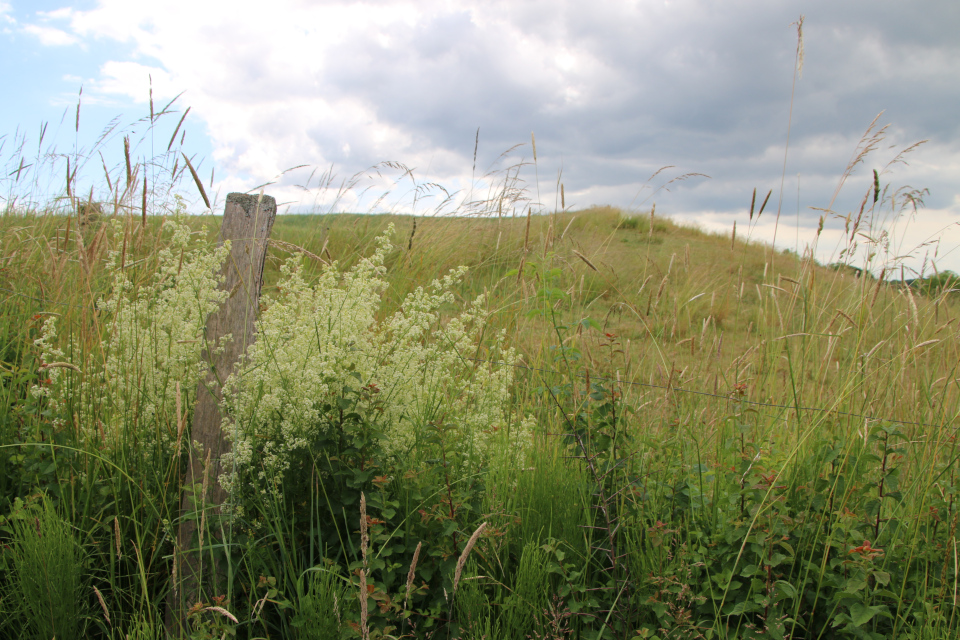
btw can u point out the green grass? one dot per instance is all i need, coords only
(44, 596)
(729, 442)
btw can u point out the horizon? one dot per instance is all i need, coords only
(612, 95)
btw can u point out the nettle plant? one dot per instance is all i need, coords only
(324, 357)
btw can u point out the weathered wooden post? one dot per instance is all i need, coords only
(247, 221)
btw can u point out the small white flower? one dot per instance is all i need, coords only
(315, 340)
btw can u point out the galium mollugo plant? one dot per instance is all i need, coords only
(154, 335)
(318, 343)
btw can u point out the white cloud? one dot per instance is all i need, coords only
(613, 90)
(133, 80)
(5, 17)
(913, 241)
(50, 37)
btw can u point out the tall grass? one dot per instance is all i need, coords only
(47, 592)
(730, 442)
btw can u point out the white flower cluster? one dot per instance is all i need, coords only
(153, 339)
(50, 353)
(315, 342)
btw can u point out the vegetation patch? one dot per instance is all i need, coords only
(573, 424)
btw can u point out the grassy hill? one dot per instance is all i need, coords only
(688, 309)
(729, 441)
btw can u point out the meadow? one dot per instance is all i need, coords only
(609, 426)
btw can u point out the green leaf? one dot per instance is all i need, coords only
(786, 546)
(785, 589)
(590, 323)
(860, 614)
(854, 585)
(775, 560)
(741, 608)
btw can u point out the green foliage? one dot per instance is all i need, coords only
(642, 223)
(618, 503)
(143, 629)
(475, 612)
(319, 611)
(522, 610)
(416, 370)
(45, 591)
(945, 281)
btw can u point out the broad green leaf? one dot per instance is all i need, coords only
(860, 614)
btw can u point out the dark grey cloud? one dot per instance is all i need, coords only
(703, 86)
(613, 90)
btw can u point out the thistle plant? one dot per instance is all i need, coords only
(319, 343)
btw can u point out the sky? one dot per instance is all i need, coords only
(362, 92)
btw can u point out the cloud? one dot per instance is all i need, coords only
(613, 91)
(127, 79)
(914, 242)
(51, 37)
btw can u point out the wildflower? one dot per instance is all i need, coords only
(321, 342)
(154, 337)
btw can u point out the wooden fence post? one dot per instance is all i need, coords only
(247, 222)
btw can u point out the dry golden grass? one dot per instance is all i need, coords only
(677, 312)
